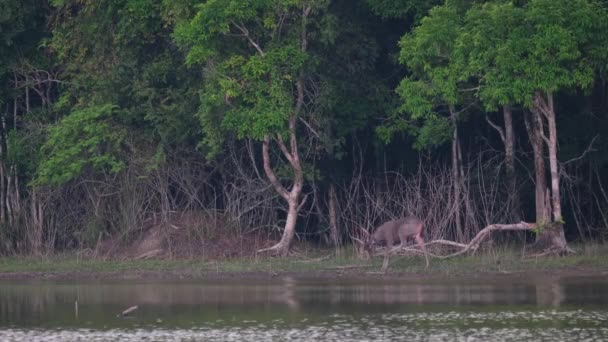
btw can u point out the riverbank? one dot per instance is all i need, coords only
(591, 259)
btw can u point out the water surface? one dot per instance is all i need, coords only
(291, 308)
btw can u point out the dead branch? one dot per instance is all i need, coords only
(473, 245)
(476, 241)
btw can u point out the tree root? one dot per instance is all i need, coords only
(553, 251)
(279, 249)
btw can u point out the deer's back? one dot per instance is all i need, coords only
(389, 231)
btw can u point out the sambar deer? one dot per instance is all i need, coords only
(397, 230)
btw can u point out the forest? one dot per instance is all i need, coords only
(229, 127)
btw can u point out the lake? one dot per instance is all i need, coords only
(286, 308)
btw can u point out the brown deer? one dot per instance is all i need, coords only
(400, 230)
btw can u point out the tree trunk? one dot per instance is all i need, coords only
(290, 227)
(333, 221)
(546, 107)
(2, 188)
(291, 154)
(510, 163)
(457, 179)
(35, 228)
(292, 197)
(543, 103)
(534, 128)
(4, 184)
(507, 137)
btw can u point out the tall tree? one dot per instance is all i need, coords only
(257, 63)
(432, 96)
(525, 55)
(130, 78)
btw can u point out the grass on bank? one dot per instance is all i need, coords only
(589, 257)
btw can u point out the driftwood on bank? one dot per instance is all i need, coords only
(473, 245)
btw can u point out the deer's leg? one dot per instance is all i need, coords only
(389, 246)
(385, 262)
(403, 240)
(420, 242)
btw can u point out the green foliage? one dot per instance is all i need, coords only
(16, 19)
(23, 149)
(84, 139)
(134, 65)
(433, 87)
(515, 51)
(253, 59)
(402, 8)
(509, 52)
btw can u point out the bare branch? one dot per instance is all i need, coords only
(309, 127)
(303, 202)
(497, 128)
(474, 243)
(245, 32)
(268, 169)
(284, 149)
(587, 150)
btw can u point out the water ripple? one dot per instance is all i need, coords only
(549, 325)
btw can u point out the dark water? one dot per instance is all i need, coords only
(287, 308)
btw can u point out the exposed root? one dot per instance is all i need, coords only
(400, 250)
(279, 249)
(554, 251)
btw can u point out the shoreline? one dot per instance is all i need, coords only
(198, 275)
(322, 264)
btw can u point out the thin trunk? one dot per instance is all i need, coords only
(2, 187)
(333, 221)
(534, 127)
(457, 184)
(27, 103)
(292, 197)
(507, 137)
(5, 214)
(35, 228)
(549, 113)
(464, 189)
(510, 163)
(292, 155)
(10, 212)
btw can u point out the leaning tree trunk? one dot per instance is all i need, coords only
(293, 196)
(290, 153)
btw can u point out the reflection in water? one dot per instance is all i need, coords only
(294, 308)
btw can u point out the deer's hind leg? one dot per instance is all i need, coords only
(421, 242)
(385, 261)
